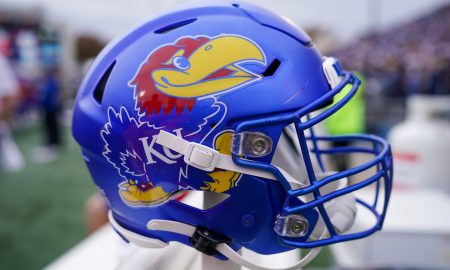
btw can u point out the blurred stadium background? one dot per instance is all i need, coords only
(400, 47)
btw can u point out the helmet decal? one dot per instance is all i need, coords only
(130, 160)
(174, 75)
(174, 78)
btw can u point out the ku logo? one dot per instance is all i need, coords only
(130, 147)
(150, 152)
(177, 88)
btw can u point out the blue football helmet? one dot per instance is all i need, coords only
(226, 99)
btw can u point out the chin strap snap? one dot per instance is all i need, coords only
(212, 243)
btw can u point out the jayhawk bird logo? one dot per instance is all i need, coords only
(175, 75)
(177, 88)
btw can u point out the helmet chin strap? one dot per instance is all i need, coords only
(206, 158)
(341, 210)
(225, 249)
(189, 230)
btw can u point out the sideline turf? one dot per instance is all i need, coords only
(41, 207)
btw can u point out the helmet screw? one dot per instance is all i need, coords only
(256, 144)
(259, 145)
(247, 221)
(299, 227)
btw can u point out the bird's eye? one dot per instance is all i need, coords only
(181, 62)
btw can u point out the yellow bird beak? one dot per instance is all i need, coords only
(216, 54)
(132, 195)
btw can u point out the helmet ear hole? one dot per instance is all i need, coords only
(100, 88)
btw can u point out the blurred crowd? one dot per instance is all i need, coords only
(413, 58)
(29, 87)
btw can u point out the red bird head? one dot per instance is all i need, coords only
(174, 75)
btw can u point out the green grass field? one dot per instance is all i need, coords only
(41, 207)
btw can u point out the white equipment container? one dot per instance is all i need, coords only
(421, 144)
(415, 235)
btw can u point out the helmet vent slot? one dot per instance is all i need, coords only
(100, 88)
(174, 26)
(272, 68)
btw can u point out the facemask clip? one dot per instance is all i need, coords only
(252, 144)
(291, 225)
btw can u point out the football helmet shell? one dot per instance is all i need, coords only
(234, 89)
